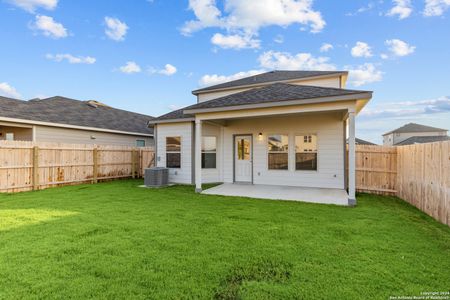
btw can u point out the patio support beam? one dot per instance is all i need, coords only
(198, 156)
(351, 159)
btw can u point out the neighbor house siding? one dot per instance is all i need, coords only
(77, 136)
(333, 82)
(400, 137)
(327, 126)
(184, 130)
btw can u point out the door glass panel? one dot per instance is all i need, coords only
(243, 149)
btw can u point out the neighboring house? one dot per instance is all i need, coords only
(64, 120)
(414, 133)
(277, 128)
(362, 142)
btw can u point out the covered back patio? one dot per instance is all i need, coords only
(278, 192)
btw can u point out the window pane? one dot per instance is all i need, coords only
(208, 160)
(278, 143)
(306, 161)
(306, 143)
(173, 144)
(306, 152)
(140, 143)
(173, 160)
(278, 161)
(243, 149)
(209, 143)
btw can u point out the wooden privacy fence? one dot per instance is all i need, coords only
(376, 169)
(419, 174)
(28, 166)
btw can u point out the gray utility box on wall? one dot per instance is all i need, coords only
(155, 177)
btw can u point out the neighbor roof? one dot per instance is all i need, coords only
(178, 115)
(276, 92)
(68, 111)
(423, 139)
(272, 76)
(413, 127)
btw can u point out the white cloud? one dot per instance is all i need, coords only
(234, 41)
(32, 5)
(401, 8)
(168, 70)
(71, 59)
(435, 7)
(408, 108)
(363, 74)
(361, 10)
(49, 27)
(115, 29)
(213, 79)
(399, 48)
(8, 91)
(361, 49)
(130, 68)
(174, 106)
(246, 18)
(279, 39)
(326, 47)
(299, 61)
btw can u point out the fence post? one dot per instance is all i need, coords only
(133, 163)
(35, 168)
(95, 167)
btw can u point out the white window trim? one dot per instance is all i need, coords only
(140, 140)
(266, 145)
(216, 152)
(181, 150)
(295, 152)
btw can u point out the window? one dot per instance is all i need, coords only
(306, 152)
(173, 152)
(243, 149)
(209, 149)
(140, 143)
(9, 136)
(278, 151)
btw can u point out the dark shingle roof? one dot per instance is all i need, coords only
(413, 127)
(423, 139)
(174, 115)
(275, 92)
(75, 112)
(363, 142)
(272, 76)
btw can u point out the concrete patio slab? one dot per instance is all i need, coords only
(276, 192)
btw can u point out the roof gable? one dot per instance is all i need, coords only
(268, 77)
(414, 127)
(62, 110)
(276, 92)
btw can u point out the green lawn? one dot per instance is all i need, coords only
(115, 240)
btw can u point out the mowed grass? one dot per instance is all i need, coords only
(115, 240)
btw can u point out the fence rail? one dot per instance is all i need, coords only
(28, 166)
(419, 174)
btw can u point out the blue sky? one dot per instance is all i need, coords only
(148, 56)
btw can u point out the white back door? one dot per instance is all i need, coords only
(243, 164)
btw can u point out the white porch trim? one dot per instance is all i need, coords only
(351, 159)
(198, 155)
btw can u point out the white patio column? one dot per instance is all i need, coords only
(351, 159)
(198, 156)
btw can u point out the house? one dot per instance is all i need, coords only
(359, 141)
(64, 120)
(280, 128)
(412, 133)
